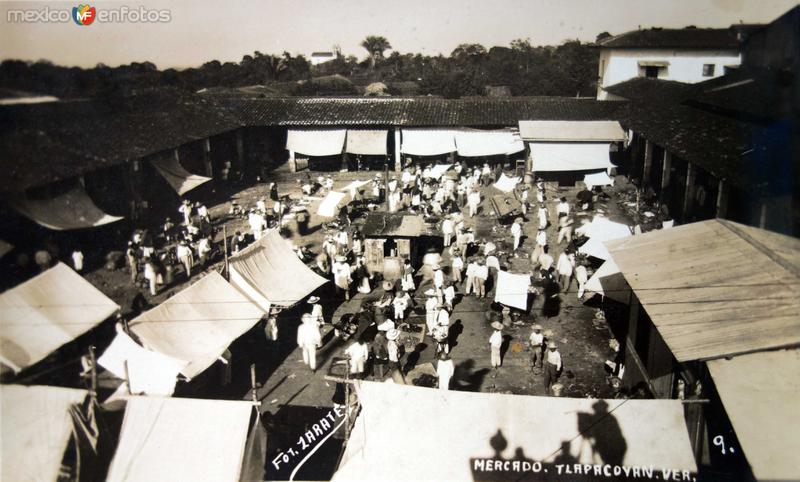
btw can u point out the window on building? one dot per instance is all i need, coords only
(708, 70)
(651, 71)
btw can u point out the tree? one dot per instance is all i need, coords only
(602, 36)
(375, 45)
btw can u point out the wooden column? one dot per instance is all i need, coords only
(345, 161)
(207, 157)
(688, 195)
(292, 162)
(762, 219)
(648, 162)
(722, 199)
(666, 170)
(398, 160)
(240, 151)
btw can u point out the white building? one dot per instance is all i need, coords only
(686, 55)
(322, 57)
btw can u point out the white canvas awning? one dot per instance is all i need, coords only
(763, 413)
(261, 272)
(367, 142)
(197, 324)
(560, 156)
(609, 282)
(329, 207)
(36, 427)
(72, 210)
(181, 439)
(148, 371)
(181, 180)
(598, 179)
(437, 171)
(598, 231)
(476, 143)
(455, 433)
(322, 142)
(47, 311)
(572, 131)
(512, 289)
(507, 184)
(428, 142)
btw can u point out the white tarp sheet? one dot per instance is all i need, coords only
(558, 156)
(329, 207)
(71, 210)
(455, 432)
(197, 324)
(262, 269)
(476, 143)
(591, 131)
(438, 171)
(367, 142)
(148, 371)
(512, 289)
(353, 187)
(47, 311)
(428, 142)
(507, 184)
(322, 142)
(181, 439)
(599, 230)
(598, 179)
(608, 281)
(181, 180)
(36, 427)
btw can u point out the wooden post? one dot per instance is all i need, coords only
(292, 161)
(386, 184)
(127, 377)
(688, 197)
(722, 199)
(666, 170)
(347, 400)
(648, 163)
(762, 219)
(253, 387)
(93, 360)
(225, 248)
(207, 157)
(398, 160)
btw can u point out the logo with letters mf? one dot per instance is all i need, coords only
(83, 14)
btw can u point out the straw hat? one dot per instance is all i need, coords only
(537, 326)
(393, 334)
(313, 299)
(497, 325)
(340, 258)
(552, 344)
(387, 285)
(430, 292)
(518, 220)
(436, 267)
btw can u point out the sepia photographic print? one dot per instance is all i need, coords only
(442, 240)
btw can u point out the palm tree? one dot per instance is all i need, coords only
(375, 45)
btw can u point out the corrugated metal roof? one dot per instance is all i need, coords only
(417, 111)
(763, 409)
(715, 288)
(695, 38)
(380, 224)
(596, 131)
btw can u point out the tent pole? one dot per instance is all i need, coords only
(253, 387)
(225, 248)
(347, 401)
(127, 377)
(92, 358)
(386, 184)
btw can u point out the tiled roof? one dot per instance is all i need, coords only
(43, 143)
(417, 111)
(689, 38)
(644, 88)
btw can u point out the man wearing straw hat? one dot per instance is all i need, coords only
(341, 275)
(481, 275)
(496, 341)
(316, 309)
(393, 348)
(444, 370)
(430, 310)
(309, 338)
(516, 232)
(552, 366)
(537, 345)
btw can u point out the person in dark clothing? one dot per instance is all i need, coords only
(273, 191)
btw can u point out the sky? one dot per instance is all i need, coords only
(200, 31)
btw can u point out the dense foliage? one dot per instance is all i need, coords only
(569, 69)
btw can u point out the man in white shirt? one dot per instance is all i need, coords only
(516, 232)
(473, 200)
(545, 260)
(470, 275)
(552, 366)
(543, 214)
(563, 207)
(564, 267)
(537, 345)
(564, 229)
(444, 370)
(77, 260)
(184, 254)
(541, 242)
(481, 275)
(581, 276)
(430, 310)
(308, 339)
(495, 342)
(447, 230)
(358, 353)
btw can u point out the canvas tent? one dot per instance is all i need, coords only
(321, 142)
(600, 230)
(181, 180)
(571, 131)
(73, 209)
(47, 311)
(763, 413)
(181, 439)
(512, 289)
(428, 142)
(555, 156)
(598, 179)
(506, 184)
(35, 430)
(367, 142)
(477, 143)
(197, 324)
(147, 371)
(329, 207)
(607, 281)
(269, 273)
(450, 442)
